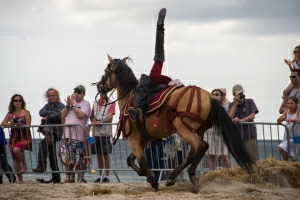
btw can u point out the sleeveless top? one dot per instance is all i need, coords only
(290, 125)
(101, 115)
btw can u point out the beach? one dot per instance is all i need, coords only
(217, 189)
(270, 179)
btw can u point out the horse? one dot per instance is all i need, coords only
(189, 111)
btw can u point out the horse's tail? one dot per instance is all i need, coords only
(231, 135)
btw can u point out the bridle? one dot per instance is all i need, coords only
(102, 87)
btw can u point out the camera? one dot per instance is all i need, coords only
(242, 96)
(17, 120)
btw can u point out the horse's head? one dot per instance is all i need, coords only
(118, 75)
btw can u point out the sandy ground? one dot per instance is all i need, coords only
(217, 189)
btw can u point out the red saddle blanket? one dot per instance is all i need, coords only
(157, 101)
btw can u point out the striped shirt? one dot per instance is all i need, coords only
(76, 132)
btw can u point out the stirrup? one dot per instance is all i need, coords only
(133, 113)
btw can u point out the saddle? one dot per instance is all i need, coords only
(155, 100)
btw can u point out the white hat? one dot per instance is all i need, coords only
(237, 89)
(223, 90)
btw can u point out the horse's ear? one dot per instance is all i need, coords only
(111, 60)
(125, 59)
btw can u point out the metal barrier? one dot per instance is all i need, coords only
(172, 157)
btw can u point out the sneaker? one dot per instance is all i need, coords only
(39, 169)
(47, 182)
(98, 180)
(105, 180)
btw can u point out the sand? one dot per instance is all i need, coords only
(216, 189)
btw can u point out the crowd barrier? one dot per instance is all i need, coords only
(174, 152)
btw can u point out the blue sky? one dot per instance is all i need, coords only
(210, 44)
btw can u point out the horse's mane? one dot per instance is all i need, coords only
(125, 76)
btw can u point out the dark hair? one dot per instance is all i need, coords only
(297, 70)
(218, 90)
(52, 88)
(11, 107)
(294, 99)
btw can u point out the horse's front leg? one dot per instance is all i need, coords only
(130, 162)
(138, 153)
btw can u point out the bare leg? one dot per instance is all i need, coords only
(212, 162)
(226, 163)
(283, 154)
(107, 164)
(17, 168)
(70, 176)
(20, 155)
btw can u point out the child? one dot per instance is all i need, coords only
(295, 64)
(290, 115)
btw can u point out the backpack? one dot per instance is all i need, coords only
(2, 138)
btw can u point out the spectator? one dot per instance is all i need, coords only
(290, 115)
(225, 102)
(102, 112)
(244, 110)
(174, 149)
(295, 81)
(51, 114)
(20, 138)
(4, 166)
(77, 111)
(154, 157)
(294, 64)
(217, 148)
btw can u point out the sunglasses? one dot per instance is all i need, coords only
(293, 76)
(17, 100)
(296, 51)
(78, 92)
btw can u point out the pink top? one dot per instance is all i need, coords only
(76, 132)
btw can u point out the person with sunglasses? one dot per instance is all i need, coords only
(217, 148)
(295, 82)
(294, 64)
(76, 111)
(20, 138)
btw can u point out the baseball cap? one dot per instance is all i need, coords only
(237, 89)
(80, 87)
(223, 90)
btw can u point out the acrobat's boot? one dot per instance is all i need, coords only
(140, 98)
(160, 35)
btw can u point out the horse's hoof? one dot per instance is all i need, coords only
(170, 182)
(155, 187)
(194, 180)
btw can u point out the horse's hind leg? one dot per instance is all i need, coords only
(200, 153)
(171, 179)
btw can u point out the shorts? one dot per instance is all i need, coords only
(71, 152)
(293, 147)
(102, 145)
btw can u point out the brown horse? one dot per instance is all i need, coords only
(189, 111)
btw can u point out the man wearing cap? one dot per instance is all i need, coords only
(77, 111)
(244, 110)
